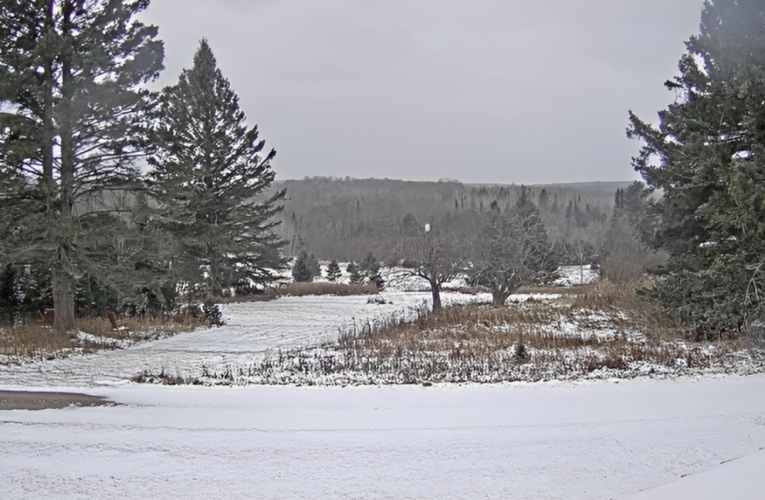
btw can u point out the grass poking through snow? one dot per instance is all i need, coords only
(595, 331)
(35, 341)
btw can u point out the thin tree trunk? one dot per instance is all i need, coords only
(436, 292)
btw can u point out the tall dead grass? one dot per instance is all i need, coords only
(603, 329)
(33, 340)
(304, 289)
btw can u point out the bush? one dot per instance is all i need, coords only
(355, 272)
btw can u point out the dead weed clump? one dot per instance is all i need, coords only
(321, 288)
(33, 341)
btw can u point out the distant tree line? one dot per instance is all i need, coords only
(345, 218)
(698, 222)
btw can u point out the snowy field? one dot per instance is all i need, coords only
(590, 440)
(251, 330)
(595, 441)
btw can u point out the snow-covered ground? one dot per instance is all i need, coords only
(589, 440)
(251, 329)
(576, 275)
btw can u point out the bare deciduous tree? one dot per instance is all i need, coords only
(436, 256)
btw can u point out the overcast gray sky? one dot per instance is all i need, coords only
(479, 91)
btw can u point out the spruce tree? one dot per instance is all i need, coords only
(212, 180)
(710, 146)
(333, 271)
(370, 269)
(302, 270)
(354, 272)
(71, 76)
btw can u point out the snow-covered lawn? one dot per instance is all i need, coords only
(588, 440)
(542, 441)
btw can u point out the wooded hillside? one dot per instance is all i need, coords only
(345, 218)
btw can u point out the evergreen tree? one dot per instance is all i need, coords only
(711, 150)
(9, 294)
(370, 270)
(211, 179)
(302, 270)
(313, 265)
(71, 85)
(333, 271)
(355, 272)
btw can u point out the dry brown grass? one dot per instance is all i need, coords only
(33, 340)
(303, 289)
(598, 330)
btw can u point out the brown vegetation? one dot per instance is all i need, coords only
(34, 340)
(598, 330)
(303, 289)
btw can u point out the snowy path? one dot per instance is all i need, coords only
(251, 328)
(592, 441)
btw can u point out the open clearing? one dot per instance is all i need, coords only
(582, 440)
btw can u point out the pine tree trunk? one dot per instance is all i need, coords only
(62, 265)
(63, 293)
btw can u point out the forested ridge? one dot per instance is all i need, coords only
(344, 218)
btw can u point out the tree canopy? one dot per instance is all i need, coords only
(707, 158)
(210, 176)
(72, 122)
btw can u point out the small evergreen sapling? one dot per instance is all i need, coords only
(370, 270)
(333, 271)
(355, 272)
(302, 270)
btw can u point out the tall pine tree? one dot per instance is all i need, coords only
(710, 147)
(212, 180)
(71, 74)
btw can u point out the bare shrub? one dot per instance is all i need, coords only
(302, 289)
(623, 267)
